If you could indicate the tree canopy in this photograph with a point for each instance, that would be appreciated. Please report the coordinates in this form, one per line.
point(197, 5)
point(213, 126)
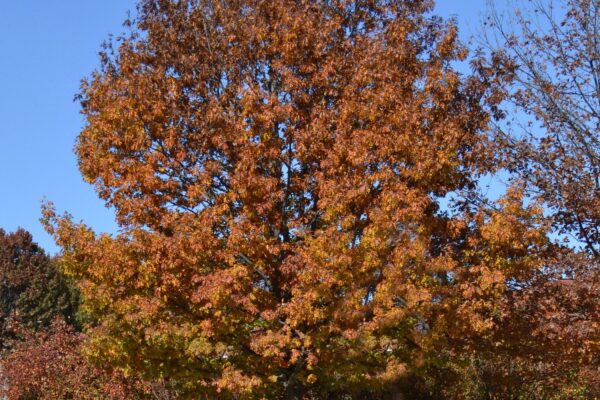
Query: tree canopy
point(296, 184)
point(32, 290)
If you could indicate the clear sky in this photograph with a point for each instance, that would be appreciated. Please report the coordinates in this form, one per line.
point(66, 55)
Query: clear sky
point(46, 47)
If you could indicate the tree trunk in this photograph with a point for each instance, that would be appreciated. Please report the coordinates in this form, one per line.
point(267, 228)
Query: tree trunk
point(294, 389)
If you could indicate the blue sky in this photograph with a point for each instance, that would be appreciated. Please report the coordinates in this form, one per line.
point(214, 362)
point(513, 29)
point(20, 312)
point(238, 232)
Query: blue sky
point(46, 47)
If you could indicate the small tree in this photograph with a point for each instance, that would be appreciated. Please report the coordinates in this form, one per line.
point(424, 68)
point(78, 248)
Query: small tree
point(32, 290)
point(48, 365)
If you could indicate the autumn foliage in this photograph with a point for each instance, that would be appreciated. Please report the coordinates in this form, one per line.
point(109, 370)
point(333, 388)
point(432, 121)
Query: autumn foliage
point(296, 184)
point(547, 53)
point(41, 354)
point(49, 365)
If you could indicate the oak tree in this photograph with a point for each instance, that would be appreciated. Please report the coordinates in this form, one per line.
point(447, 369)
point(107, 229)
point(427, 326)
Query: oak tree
point(277, 169)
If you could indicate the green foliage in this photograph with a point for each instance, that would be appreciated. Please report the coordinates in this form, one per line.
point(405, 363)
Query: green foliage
point(33, 292)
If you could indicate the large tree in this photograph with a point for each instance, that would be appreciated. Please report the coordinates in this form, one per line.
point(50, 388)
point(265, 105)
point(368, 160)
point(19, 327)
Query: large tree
point(277, 169)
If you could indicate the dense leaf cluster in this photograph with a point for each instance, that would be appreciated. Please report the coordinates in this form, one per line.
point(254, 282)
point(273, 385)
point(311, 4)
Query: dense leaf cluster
point(297, 187)
point(33, 291)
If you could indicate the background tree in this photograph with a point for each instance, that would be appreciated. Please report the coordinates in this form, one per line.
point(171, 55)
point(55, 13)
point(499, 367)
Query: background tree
point(32, 290)
point(48, 365)
point(547, 54)
point(550, 53)
point(277, 170)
